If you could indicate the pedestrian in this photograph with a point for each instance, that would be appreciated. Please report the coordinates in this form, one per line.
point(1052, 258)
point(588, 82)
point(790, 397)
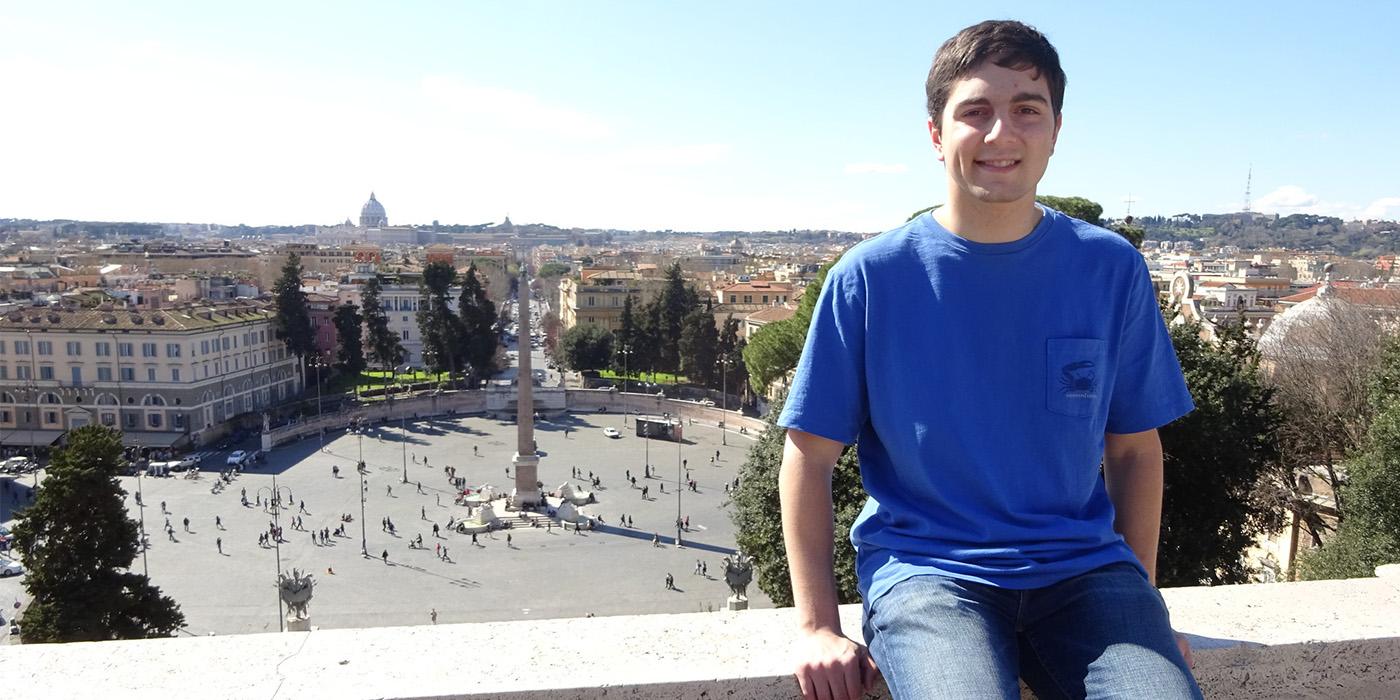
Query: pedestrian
point(420, 487)
point(313, 540)
point(435, 529)
point(335, 472)
point(687, 523)
point(705, 569)
point(697, 568)
point(302, 506)
point(171, 534)
point(187, 524)
point(437, 550)
point(432, 615)
point(716, 455)
point(219, 542)
point(388, 490)
point(656, 539)
point(162, 507)
point(385, 556)
point(508, 539)
point(474, 538)
point(423, 512)
point(439, 499)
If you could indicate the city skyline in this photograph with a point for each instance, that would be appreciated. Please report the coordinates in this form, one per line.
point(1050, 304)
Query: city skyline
point(633, 116)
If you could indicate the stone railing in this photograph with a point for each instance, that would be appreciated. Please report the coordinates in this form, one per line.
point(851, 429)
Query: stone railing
point(490, 400)
point(1327, 639)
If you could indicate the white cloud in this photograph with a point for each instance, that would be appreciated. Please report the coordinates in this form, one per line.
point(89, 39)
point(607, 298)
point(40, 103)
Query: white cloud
point(1288, 197)
point(1383, 208)
point(876, 168)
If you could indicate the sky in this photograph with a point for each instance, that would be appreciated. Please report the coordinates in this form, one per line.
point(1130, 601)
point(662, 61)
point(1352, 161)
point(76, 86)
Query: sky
point(665, 115)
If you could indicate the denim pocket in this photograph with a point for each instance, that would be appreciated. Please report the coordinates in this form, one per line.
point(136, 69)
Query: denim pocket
point(1074, 374)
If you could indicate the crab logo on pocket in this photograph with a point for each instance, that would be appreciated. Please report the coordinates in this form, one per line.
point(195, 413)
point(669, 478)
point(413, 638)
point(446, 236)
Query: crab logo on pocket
point(1077, 380)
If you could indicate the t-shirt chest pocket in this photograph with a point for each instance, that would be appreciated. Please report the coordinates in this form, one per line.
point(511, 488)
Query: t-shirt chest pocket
point(1074, 376)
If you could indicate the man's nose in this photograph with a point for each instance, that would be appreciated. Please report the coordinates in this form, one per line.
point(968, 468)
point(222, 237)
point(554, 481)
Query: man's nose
point(1001, 129)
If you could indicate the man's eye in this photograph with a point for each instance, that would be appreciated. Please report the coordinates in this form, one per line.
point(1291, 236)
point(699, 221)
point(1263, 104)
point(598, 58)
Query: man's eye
point(973, 113)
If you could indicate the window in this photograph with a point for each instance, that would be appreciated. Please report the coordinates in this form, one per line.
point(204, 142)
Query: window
point(262, 336)
point(590, 300)
point(174, 374)
point(748, 298)
point(124, 349)
point(178, 421)
point(731, 298)
point(45, 347)
point(172, 349)
point(46, 371)
point(104, 374)
point(4, 371)
point(153, 420)
point(6, 417)
point(104, 349)
point(150, 374)
point(22, 372)
point(75, 348)
point(204, 347)
point(225, 343)
point(77, 375)
point(2, 347)
point(405, 335)
point(148, 349)
point(21, 347)
point(109, 420)
point(131, 421)
point(128, 374)
point(50, 417)
point(765, 298)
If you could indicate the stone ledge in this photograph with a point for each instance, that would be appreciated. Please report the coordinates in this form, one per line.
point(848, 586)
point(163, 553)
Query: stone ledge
point(1290, 640)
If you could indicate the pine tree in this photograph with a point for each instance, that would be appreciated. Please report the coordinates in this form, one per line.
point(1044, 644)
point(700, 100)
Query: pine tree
point(625, 338)
point(292, 323)
point(349, 330)
point(477, 333)
point(384, 346)
point(79, 544)
point(699, 347)
point(676, 300)
point(438, 324)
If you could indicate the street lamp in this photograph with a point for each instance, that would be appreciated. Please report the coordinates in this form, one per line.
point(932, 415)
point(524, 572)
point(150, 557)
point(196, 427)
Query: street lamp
point(361, 469)
point(679, 488)
point(723, 362)
point(141, 504)
point(322, 429)
point(275, 499)
point(403, 436)
point(626, 353)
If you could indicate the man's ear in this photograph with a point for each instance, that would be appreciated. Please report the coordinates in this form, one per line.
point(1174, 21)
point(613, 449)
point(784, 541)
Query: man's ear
point(937, 137)
point(1059, 122)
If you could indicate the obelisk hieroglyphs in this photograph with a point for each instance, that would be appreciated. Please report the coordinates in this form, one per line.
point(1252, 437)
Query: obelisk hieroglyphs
point(526, 462)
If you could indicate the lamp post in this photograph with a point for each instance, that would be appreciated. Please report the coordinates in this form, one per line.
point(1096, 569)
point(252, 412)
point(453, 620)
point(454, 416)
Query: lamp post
point(33, 399)
point(275, 499)
point(626, 353)
point(403, 437)
point(361, 469)
point(322, 429)
point(141, 505)
point(679, 488)
point(723, 363)
point(646, 439)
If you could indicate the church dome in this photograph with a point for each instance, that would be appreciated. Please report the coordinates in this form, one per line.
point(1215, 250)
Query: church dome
point(1304, 327)
point(372, 214)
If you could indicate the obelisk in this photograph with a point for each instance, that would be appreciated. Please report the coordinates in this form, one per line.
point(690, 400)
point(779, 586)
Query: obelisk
point(526, 462)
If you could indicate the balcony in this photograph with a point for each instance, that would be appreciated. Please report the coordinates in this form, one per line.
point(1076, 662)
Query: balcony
point(1326, 639)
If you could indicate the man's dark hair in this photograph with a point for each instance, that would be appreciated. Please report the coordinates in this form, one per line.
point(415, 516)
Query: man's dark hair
point(1005, 43)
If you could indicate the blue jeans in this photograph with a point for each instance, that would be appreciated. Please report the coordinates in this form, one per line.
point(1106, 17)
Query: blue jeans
point(1102, 634)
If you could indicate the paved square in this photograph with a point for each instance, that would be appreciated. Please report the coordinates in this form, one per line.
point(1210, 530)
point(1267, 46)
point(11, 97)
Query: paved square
point(545, 574)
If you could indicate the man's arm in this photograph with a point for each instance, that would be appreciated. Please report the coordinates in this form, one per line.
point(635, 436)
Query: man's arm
point(1132, 471)
point(829, 664)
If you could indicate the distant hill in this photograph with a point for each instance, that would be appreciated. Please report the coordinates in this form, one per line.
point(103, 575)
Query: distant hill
point(1303, 232)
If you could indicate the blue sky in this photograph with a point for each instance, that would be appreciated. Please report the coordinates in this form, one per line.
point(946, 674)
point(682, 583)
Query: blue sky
point(688, 116)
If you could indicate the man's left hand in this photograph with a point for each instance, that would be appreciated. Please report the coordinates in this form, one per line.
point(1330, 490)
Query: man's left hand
point(1185, 646)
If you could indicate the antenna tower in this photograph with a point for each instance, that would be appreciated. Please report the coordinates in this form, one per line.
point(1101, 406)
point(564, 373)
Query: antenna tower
point(1129, 199)
point(1248, 180)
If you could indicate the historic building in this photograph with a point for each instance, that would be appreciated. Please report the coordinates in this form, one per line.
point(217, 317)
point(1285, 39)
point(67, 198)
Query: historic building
point(164, 376)
point(372, 214)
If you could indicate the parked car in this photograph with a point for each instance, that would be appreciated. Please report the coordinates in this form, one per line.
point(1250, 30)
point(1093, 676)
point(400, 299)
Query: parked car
point(192, 461)
point(612, 432)
point(10, 567)
point(237, 458)
point(15, 465)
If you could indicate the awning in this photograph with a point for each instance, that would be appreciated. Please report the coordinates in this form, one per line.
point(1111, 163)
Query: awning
point(135, 438)
point(26, 437)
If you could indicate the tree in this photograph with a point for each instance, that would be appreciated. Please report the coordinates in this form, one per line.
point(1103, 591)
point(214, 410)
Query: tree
point(292, 322)
point(438, 324)
point(384, 346)
point(1131, 231)
point(1323, 367)
point(477, 337)
point(79, 545)
point(699, 347)
point(774, 349)
point(676, 300)
point(757, 515)
point(553, 269)
point(734, 372)
point(1215, 458)
point(1077, 207)
point(625, 338)
point(1369, 535)
point(584, 347)
point(349, 331)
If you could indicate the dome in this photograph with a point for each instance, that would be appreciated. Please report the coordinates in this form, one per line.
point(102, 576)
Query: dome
point(1304, 327)
point(372, 214)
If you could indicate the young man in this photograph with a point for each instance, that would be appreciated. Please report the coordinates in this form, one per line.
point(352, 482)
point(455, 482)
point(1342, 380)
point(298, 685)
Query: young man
point(986, 358)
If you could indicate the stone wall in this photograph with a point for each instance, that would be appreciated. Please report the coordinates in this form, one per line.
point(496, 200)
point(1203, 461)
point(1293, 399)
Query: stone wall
point(1328, 639)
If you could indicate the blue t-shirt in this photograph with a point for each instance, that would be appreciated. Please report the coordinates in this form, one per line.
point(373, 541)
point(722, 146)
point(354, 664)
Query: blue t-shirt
point(978, 381)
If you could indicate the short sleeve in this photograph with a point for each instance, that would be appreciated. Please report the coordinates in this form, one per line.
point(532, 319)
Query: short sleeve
point(1149, 390)
point(828, 395)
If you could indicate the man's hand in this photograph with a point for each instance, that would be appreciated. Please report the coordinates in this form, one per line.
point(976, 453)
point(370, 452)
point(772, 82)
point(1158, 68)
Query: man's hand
point(833, 667)
point(1184, 645)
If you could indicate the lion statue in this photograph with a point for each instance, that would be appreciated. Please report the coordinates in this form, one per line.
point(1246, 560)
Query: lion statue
point(738, 573)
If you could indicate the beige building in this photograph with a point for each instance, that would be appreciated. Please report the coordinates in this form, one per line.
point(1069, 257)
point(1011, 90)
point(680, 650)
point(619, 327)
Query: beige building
point(597, 298)
point(162, 375)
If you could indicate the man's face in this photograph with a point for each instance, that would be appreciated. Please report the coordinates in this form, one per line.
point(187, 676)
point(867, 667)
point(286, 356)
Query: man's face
point(996, 135)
